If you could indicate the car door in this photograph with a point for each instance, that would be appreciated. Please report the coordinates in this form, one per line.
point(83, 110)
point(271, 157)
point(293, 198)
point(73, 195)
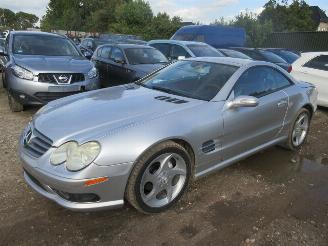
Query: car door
point(315, 71)
point(117, 67)
point(246, 128)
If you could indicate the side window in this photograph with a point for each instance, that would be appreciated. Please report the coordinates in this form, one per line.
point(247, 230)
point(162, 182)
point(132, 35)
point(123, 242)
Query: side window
point(260, 81)
point(117, 55)
point(319, 62)
point(177, 51)
point(105, 51)
point(85, 42)
point(164, 48)
point(99, 52)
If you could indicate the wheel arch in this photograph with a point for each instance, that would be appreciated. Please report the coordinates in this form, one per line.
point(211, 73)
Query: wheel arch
point(310, 108)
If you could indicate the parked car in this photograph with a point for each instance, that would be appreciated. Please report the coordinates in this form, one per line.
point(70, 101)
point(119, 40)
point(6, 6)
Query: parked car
point(40, 67)
point(89, 45)
point(313, 67)
point(264, 55)
point(124, 63)
point(214, 35)
point(174, 49)
point(2, 42)
point(287, 55)
point(144, 142)
point(234, 54)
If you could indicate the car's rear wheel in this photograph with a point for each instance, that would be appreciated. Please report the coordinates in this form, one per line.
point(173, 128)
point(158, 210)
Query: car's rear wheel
point(14, 105)
point(299, 132)
point(159, 178)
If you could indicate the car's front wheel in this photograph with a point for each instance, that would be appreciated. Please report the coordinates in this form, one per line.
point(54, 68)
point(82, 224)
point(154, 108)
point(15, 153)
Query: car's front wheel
point(159, 178)
point(14, 105)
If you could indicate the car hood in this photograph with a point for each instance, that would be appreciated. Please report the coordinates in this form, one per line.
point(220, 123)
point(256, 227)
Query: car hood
point(144, 69)
point(93, 115)
point(60, 64)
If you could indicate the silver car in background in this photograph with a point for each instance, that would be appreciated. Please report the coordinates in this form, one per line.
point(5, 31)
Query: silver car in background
point(144, 142)
point(40, 67)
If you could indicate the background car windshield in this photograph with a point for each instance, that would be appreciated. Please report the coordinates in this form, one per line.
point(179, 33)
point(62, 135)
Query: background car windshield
point(236, 54)
point(272, 57)
point(43, 45)
point(194, 79)
point(144, 56)
point(203, 50)
point(288, 56)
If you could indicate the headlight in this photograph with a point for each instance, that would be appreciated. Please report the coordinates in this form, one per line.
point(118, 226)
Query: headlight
point(76, 156)
point(92, 73)
point(22, 73)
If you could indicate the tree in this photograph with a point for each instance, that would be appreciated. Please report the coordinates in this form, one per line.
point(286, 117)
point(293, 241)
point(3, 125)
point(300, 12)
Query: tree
point(25, 20)
point(285, 17)
point(7, 19)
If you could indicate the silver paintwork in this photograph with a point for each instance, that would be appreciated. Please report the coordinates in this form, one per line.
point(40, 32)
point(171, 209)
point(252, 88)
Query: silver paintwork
point(127, 121)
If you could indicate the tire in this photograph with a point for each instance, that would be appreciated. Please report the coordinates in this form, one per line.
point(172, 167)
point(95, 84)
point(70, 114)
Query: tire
point(167, 187)
point(290, 143)
point(14, 105)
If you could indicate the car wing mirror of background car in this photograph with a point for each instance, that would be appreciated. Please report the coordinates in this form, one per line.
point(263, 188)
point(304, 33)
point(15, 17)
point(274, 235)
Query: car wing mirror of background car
point(243, 101)
point(120, 61)
point(181, 58)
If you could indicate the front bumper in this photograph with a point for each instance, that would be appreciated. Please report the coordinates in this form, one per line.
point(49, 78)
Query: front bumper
point(39, 93)
point(51, 185)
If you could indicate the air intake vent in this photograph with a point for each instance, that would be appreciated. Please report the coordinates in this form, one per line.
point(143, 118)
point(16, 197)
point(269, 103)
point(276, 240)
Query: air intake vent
point(170, 99)
point(208, 146)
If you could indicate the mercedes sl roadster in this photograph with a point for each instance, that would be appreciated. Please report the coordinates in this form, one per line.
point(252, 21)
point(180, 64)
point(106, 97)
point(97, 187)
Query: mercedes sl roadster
point(144, 142)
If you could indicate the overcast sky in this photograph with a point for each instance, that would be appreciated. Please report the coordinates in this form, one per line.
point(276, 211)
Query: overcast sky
point(204, 11)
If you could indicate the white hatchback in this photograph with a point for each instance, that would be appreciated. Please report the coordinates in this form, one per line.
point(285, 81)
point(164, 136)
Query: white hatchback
point(313, 67)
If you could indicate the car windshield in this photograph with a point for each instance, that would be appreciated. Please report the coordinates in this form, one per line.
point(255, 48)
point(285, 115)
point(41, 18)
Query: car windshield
point(272, 57)
point(236, 54)
point(194, 79)
point(144, 56)
point(46, 45)
point(288, 55)
point(200, 50)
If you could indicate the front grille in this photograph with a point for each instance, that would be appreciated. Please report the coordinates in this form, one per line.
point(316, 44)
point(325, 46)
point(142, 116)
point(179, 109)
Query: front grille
point(57, 78)
point(50, 96)
point(35, 143)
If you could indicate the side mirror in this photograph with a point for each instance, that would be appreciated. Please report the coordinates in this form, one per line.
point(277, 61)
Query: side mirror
point(3, 52)
point(243, 101)
point(181, 58)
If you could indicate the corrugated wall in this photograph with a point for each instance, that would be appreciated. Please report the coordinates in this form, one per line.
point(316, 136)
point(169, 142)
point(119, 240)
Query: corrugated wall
point(300, 41)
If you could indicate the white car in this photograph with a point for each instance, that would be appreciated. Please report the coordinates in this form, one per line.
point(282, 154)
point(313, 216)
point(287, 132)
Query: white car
point(313, 67)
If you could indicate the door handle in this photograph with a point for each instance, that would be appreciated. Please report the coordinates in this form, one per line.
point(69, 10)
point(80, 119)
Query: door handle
point(281, 103)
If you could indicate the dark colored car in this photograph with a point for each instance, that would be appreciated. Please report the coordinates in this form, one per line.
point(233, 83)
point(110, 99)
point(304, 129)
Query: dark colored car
point(124, 63)
point(234, 54)
point(175, 49)
point(89, 45)
point(288, 55)
point(265, 55)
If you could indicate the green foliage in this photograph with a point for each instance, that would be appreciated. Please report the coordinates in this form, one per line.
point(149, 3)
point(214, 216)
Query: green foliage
point(18, 21)
point(277, 16)
point(285, 17)
point(119, 16)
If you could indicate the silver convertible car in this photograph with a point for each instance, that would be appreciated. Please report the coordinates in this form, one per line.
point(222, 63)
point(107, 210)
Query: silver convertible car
point(145, 142)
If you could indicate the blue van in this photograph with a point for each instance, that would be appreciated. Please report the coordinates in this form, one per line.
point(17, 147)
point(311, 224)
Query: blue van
point(214, 35)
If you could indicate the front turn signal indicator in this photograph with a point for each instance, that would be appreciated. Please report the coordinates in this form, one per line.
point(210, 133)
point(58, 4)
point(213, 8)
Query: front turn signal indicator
point(95, 181)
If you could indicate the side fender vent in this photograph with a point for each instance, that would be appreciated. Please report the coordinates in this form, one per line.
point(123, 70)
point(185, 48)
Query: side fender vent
point(170, 99)
point(208, 146)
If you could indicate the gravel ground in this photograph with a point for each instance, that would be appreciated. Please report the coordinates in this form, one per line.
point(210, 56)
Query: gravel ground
point(276, 197)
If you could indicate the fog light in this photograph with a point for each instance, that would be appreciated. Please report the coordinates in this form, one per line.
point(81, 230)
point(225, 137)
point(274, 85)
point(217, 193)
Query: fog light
point(95, 181)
